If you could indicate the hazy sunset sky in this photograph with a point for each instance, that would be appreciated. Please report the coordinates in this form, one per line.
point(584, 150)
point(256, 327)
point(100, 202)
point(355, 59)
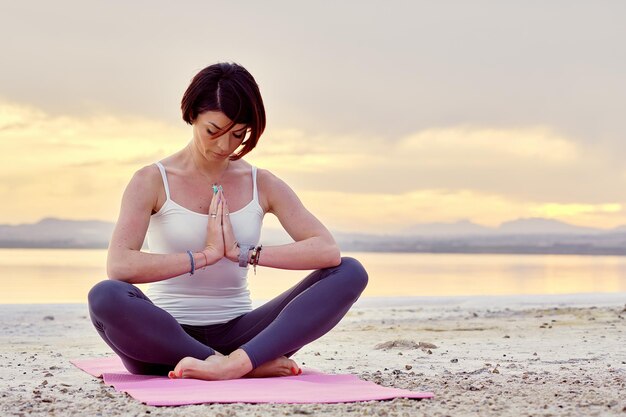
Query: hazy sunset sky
point(381, 115)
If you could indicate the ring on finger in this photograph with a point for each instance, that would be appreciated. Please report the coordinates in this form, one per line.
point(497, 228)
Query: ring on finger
point(214, 215)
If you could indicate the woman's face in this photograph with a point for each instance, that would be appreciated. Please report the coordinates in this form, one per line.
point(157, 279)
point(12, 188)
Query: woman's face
point(211, 139)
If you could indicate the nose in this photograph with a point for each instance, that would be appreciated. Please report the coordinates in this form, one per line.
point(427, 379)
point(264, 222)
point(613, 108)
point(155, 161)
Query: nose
point(223, 142)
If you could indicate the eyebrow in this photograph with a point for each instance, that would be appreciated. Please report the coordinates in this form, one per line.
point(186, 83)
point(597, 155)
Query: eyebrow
point(219, 128)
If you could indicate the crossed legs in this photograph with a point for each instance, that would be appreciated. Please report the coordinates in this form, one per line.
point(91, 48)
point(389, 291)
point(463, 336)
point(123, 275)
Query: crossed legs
point(150, 341)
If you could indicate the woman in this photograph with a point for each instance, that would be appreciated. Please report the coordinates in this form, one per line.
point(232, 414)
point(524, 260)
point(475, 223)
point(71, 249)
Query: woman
point(201, 210)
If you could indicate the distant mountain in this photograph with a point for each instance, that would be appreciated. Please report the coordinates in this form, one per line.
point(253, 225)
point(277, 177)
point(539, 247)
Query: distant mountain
point(529, 226)
point(525, 236)
point(619, 229)
point(539, 226)
point(459, 228)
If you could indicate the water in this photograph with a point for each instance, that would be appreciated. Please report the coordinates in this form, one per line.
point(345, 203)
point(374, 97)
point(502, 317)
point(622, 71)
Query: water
point(66, 275)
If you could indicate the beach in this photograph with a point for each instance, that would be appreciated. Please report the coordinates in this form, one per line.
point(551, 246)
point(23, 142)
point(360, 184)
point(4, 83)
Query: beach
point(481, 356)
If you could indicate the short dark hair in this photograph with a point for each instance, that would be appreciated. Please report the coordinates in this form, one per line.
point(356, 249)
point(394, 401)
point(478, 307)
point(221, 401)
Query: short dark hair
point(229, 88)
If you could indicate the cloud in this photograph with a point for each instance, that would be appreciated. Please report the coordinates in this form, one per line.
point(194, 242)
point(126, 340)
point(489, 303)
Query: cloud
point(598, 215)
point(74, 167)
point(393, 213)
point(384, 213)
point(77, 167)
point(532, 163)
point(553, 210)
point(486, 174)
point(485, 146)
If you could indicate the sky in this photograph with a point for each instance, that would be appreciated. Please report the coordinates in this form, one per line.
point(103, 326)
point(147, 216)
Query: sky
point(381, 115)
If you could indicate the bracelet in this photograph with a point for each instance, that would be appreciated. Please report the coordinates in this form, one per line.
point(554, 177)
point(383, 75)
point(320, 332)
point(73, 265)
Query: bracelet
point(206, 260)
point(193, 262)
point(254, 258)
point(243, 254)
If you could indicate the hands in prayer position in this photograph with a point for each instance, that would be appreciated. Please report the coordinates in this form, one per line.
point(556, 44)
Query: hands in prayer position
point(220, 240)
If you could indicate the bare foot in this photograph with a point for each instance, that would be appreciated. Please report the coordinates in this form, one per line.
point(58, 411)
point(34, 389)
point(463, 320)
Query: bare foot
point(282, 366)
point(215, 367)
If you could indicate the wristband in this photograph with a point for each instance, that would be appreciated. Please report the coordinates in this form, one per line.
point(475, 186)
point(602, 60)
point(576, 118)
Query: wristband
point(193, 262)
point(243, 255)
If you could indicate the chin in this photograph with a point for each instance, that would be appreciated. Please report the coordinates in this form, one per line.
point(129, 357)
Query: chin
point(219, 155)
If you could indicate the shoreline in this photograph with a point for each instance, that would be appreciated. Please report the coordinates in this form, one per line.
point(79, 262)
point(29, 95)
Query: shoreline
point(512, 301)
point(617, 252)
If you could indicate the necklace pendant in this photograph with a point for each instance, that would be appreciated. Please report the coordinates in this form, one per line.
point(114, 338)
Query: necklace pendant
point(215, 188)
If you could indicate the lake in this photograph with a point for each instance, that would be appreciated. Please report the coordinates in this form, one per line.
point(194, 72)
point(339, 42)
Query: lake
point(66, 275)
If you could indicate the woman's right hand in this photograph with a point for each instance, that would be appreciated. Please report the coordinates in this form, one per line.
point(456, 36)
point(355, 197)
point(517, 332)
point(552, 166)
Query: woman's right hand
point(214, 250)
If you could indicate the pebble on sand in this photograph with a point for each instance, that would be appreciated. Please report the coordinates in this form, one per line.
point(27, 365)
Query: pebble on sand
point(398, 343)
point(405, 344)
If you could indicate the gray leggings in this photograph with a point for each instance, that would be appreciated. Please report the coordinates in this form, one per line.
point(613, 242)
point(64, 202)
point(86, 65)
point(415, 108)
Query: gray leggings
point(150, 341)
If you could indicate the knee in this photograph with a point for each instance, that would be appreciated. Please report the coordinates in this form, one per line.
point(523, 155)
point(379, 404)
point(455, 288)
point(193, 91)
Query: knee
point(355, 273)
point(105, 295)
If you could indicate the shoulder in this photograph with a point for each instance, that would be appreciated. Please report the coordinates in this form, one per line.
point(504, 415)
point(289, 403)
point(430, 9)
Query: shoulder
point(265, 176)
point(143, 188)
point(147, 176)
point(268, 181)
point(272, 190)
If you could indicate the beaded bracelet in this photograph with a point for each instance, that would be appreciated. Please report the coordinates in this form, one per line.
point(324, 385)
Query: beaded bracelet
point(193, 262)
point(255, 256)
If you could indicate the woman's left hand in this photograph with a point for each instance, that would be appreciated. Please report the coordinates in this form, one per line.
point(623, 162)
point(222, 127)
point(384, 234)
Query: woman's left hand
point(231, 248)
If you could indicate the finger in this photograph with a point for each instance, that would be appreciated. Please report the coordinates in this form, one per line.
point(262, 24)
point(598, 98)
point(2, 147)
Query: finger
point(214, 201)
point(220, 210)
point(231, 248)
point(215, 213)
point(229, 236)
point(226, 211)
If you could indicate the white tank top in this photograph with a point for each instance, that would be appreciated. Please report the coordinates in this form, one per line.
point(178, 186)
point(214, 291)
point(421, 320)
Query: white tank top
point(217, 293)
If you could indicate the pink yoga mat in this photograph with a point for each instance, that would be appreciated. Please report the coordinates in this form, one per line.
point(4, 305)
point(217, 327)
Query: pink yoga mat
point(309, 387)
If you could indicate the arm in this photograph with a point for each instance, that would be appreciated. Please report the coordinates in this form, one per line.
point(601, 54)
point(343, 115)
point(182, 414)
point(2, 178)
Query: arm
point(314, 246)
point(125, 260)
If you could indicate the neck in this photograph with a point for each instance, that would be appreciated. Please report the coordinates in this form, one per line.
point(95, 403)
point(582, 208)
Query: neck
point(212, 170)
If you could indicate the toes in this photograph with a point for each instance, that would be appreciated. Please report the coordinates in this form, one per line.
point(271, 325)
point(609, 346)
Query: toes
point(178, 369)
point(296, 370)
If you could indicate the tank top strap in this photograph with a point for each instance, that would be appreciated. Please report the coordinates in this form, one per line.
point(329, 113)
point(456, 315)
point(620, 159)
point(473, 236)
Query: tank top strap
point(255, 191)
point(164, 177)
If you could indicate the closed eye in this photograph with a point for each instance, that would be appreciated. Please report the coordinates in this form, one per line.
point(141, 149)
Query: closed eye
point(238, 135)
point(242, 133)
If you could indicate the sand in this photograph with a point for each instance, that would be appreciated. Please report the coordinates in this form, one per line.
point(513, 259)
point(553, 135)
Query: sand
point(481, 357)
